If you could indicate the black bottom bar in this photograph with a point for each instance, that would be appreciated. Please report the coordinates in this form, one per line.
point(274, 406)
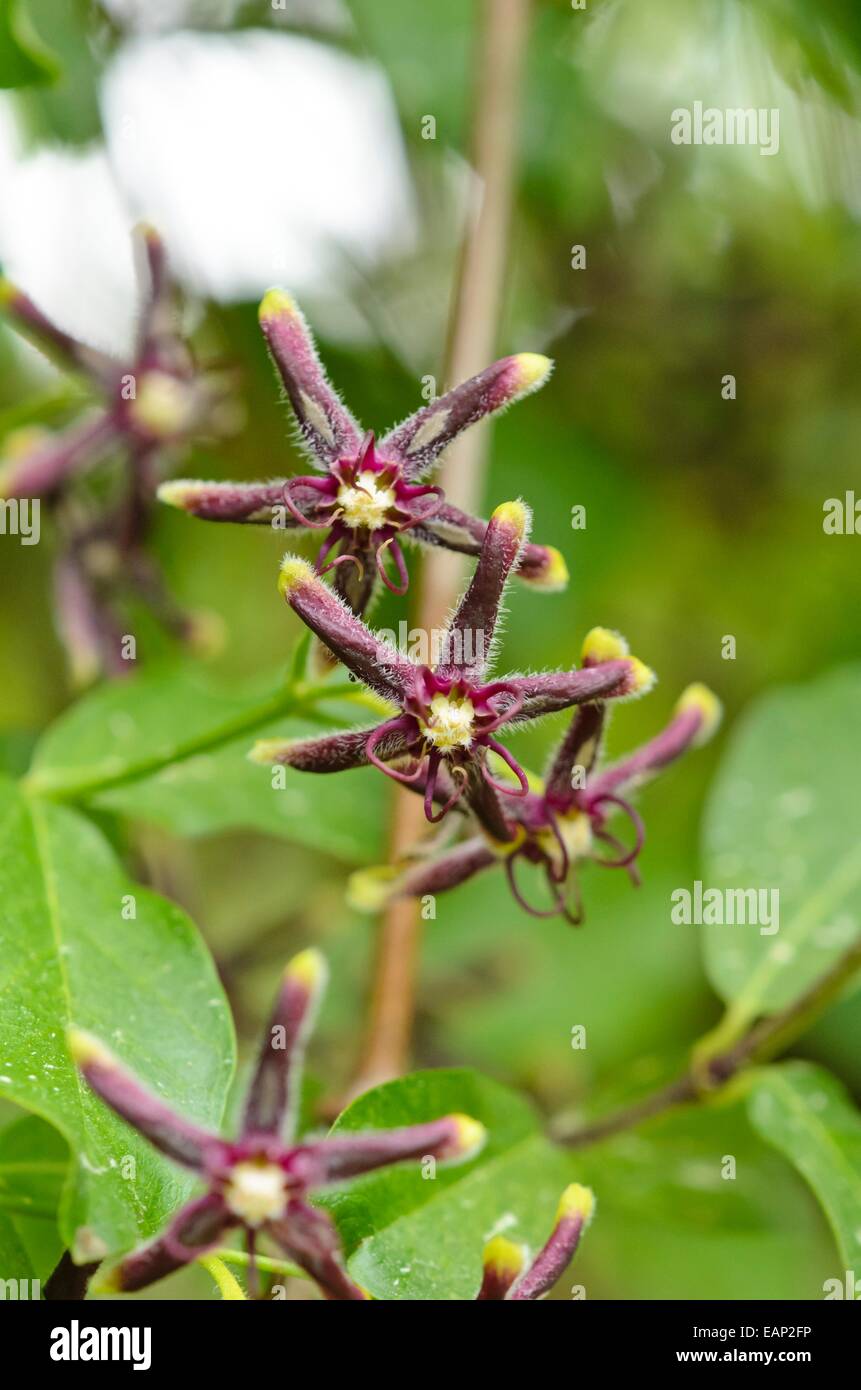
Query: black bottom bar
point(69, 1339)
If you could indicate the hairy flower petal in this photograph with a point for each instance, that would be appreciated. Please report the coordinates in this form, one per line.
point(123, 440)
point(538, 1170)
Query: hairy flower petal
point(327, 427)
point(275, 1083)
point(541, 566)
point(248, 502)
point(374, 661)
point(474, 622)
point(556, 690)
point(329, 752)
point(418, 442)
point(454, 1138)
point(696, 718)
point(574, 1214)
point(178, 1138)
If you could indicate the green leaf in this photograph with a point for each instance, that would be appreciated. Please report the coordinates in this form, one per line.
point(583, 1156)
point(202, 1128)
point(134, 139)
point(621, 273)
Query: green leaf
point(23, 60)
point(783, 814)
point(676, 1222)
point(809, 1116)
point(412, 1237)
point(16, 749)
point(673, 1170)
point(144, 984)
point(34, 1161)
point(171, 747)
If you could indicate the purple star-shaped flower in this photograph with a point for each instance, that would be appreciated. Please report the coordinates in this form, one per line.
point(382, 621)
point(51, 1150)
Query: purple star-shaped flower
point(369, 495)
point(154, 403)
point(447, 715)
point(562, 819)
point(156, 400)
point(260, 1182)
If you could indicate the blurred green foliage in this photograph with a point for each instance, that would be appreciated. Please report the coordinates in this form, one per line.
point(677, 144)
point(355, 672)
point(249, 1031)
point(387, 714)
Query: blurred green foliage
point(704, 519)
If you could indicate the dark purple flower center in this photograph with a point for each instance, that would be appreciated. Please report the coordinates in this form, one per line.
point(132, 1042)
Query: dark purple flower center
point(365, 503)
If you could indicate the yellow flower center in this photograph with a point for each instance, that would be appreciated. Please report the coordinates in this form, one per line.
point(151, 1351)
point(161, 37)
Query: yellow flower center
point(162, 405)
point(450, 723)
point(576, 831)
point(366, 505)
point(256, 1192)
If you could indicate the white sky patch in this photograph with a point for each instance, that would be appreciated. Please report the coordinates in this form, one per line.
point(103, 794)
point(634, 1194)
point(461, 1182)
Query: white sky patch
point(64, 237)
point(263, 159)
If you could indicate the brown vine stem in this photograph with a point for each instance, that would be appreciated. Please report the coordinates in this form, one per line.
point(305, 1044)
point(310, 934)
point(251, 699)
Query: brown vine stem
point(501, 40)
point(710, 1073)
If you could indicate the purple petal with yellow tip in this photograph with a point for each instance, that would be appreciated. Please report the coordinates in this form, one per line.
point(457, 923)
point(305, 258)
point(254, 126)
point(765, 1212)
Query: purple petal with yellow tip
point(38, 470)
point(474, 623)
point(55, 341)
point(175, 1136)
point(247, 502)
point(503, 1262)
point(452, 1139)
point(327, 427)
point(542, 566)
point(374, 661)
point(697, 716)
point(274, 1085)
point(556, 690)
point(573, 1215)
point(418, 442)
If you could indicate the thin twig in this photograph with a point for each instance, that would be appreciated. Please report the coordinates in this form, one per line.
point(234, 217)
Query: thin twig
point(709, 1074)
point(501, 45)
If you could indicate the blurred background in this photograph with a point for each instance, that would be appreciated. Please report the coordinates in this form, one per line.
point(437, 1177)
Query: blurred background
point(289, 146)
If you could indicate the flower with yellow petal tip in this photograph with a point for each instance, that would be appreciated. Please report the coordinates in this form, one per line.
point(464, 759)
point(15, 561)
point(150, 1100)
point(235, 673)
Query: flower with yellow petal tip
point(368, 496)
point(565, 817)
point(447, 716)
point(149, 406)
point(260, 1182)
point(509, 1274)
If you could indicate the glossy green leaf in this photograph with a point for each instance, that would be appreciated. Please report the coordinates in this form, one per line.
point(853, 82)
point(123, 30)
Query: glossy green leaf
point(698, 1169)
point(695, 1205)
point(783, 815)
point(34, 1161)
point(415, 1237)
point(172, 748)
point(809, 1116)
point(71, 952)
